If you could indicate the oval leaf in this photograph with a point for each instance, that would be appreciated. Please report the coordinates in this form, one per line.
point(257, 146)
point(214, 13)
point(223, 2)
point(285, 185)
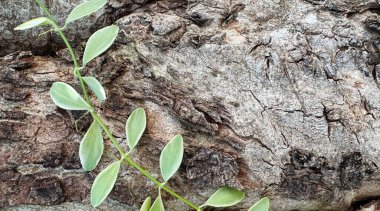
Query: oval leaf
point(104, 183)
point(135, 127)
point(157, 204)
point(99, 42)
point(66, 97)
point(171, 157)
point(33, 23)
point(96, 87)
point(225, 197)
point(85, 9)
point(262, 205)
point(91, 147)
point(146, 205)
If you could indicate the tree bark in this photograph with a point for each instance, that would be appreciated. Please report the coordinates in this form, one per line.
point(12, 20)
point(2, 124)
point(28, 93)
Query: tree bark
point(277, 98)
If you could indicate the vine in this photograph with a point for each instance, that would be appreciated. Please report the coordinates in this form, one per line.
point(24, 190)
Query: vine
point(92, 145)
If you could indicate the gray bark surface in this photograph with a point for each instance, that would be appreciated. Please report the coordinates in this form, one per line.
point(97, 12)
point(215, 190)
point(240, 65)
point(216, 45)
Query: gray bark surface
point(277, 98)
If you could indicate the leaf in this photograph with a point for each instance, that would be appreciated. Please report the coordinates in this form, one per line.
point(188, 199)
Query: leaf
point(96, 87)
point(225, 197)
point(66, 97)
point(135, 127)
point(146, 205)
point(85, 9)
point(91, 147)
point(104, 183)
point(171, 157)
point(99, 42)
point(157, 204)
point(262, 205)
point(33, 23)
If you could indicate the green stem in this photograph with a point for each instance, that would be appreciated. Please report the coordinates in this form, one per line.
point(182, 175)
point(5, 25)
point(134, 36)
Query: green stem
point(99, 120)
point(159, 184)
point(109, 134)
point(72, 53)
point(139, 168)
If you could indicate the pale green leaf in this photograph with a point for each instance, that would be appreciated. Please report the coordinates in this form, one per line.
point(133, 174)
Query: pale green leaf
point(135, 127)
point(262, 205)
point(225, 197)
point(96, 87)
point(91, 147)
point(66, 97)
point(104, 183)
point(33, 23)
point(85, 9)
point(171, 157)
point(99, 42)
point(157, 204)
point(146, 205)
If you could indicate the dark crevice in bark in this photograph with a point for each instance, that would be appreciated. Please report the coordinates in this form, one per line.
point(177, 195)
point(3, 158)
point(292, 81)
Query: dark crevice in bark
point(366, 202)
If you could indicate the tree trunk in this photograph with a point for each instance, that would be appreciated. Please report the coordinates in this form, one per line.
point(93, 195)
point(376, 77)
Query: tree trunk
point(277, 98)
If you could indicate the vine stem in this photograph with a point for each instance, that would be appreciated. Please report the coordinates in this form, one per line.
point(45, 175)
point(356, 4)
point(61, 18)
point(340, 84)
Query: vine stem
point(72, 52)
point(100, 121)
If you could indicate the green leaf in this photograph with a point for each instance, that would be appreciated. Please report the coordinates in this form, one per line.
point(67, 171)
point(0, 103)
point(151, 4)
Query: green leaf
point(262, 205)
point(66, 97)
point(91, 147)
point(99, 42)
point(85, 9)
point(146, 204)
point(225, 197)
point(104, 183)
point(135, 127)
point(171, 157)
point(96, 87)
point(33, 23)
point(157, 204)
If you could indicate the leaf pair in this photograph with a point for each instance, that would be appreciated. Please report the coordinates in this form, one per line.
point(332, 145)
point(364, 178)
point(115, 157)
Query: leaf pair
point(98, 43)
point(157, 205)
point(90, 155)
point(171, 155)
point(102, 39)
point(170, 158)
point(91, 147)
point(65, 96)
point(78, 12)
point(223, 197)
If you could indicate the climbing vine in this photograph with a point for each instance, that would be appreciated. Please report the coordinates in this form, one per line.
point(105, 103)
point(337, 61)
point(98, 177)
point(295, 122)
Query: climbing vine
point(92, 145)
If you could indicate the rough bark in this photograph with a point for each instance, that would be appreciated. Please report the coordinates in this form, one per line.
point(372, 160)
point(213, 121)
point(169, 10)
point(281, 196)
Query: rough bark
point(278, 98)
